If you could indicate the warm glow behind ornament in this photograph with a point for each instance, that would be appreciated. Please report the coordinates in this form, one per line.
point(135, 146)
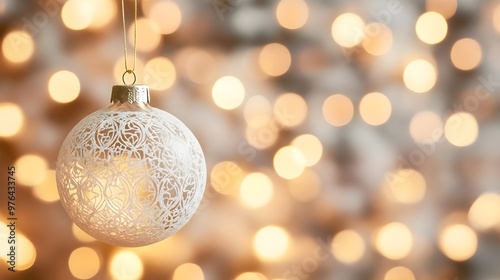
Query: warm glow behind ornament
point(130, 174)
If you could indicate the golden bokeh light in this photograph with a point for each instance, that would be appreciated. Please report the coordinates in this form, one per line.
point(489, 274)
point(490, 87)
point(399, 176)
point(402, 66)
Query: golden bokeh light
point(426, 126)
point(446, 8)
point(258, 111)
point(290, 109)
point(458, 242)
point(188, 271)
point(407, 186)
point(167, 16)
point(292, 14)
point(126, 265)
point(275, 59)
point(466, 54)
point(348, 246)
point(348, 30)
point(159, 73)
point(103, 12)
point(150, 35)
point(64, 86)
point(228, 92)
point(15, 115)
point(431, 28)
point(226, 177)
point(420, 76)
point(26, 252)
point(271, 243)
point(399, 273)
point(18, 46)
point(375, 108)
point(261, 138)
point(119, 69)
point(77, 14)
point(484, 213)
point(310, 146)
point(378, 39)
point(338, 110)
point(84, 263)
point(31, 170)
point(256, 190)
point(251, 276)
point(47, 190)
point(289, 163)
point(306, 187)
point(461, 129)
point(394, 241)
point(81, 235)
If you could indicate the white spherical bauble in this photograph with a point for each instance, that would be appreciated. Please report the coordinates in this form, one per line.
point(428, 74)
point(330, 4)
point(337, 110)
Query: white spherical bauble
point(131, 174)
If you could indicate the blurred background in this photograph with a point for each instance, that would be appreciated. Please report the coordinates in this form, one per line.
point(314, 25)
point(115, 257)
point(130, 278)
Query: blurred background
point(344, 139)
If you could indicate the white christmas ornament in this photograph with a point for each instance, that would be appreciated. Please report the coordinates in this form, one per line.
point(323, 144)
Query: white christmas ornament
point(130, 174)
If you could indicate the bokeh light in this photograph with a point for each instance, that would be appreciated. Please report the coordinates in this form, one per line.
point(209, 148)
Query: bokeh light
point(306, 187)
point(458, 242)
point(310, 146)
point(166, 15)
point(251, 276)
point(431, 28)
point(420, 76)
point(426, 126)
point(18, 46)
point(226, 177)
point(81, 235)
point(188, 271)
point(407, 186)
point(378, 39)
point(394, 241)
point(159, 73)
point(338, 110)
point(289, 163)
point(256, 190)
point(271, 243)
point(77, 14)
point(228, 92)
point(399, 273)
point(466, 54)
point(496, 18)
point(64, 86)
point(275, 59)
point(484, 213)
point(47, 189)
point(200, 66)
point(31, 170)
point(126, 265)
point(84, 263)
point(348, 246)
point(375, 108)
point(461, 129)
point(446, 8)
point(292, 14)
point(13, 113)
point(258, 111)
point(348, 30)
point(262, 137)
point(103, 13)
point(150, 35)
point(290, 109)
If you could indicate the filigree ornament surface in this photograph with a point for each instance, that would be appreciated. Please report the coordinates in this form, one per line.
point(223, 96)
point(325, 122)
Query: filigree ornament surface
point(131, 177)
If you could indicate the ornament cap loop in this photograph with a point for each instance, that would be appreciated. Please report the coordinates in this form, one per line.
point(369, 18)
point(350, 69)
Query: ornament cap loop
point(130, 93)
point(129, 71)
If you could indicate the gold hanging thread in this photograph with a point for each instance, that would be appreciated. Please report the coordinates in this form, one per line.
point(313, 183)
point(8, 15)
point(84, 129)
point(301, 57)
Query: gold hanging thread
point(127, 69)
